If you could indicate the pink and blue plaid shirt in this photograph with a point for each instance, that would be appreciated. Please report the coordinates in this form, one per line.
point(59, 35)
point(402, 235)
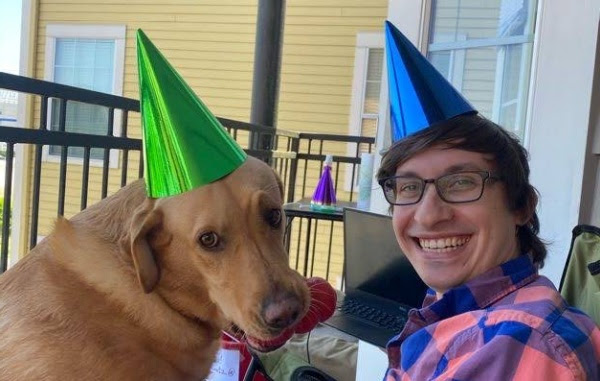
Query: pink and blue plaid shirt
point(507, 324)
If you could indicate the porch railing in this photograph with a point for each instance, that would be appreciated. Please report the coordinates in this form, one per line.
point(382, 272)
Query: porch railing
point(297, 157)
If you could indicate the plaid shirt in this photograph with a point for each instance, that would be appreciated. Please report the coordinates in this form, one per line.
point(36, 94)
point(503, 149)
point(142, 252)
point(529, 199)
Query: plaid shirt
point(507, 324)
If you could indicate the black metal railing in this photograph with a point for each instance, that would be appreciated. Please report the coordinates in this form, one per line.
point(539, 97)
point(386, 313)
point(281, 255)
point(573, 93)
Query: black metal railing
point(297, 157)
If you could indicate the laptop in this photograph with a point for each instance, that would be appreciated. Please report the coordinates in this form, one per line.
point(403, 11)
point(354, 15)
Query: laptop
point(381, 285)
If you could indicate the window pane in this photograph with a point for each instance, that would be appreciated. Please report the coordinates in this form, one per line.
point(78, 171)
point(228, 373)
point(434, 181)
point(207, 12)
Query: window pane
point(65, 52)
point(81, 118)
point(104, 54)
point(85, 53)
point(441, 60)
point(63, 75)
point(512, 68)
point(89, 64)
point(456, 20)
point(479, 74)
point(373, 81)
point(371, 105)
point(85, 63)
point(508, 114)
point(368, 127)
point(375, 65)
point(83, 77)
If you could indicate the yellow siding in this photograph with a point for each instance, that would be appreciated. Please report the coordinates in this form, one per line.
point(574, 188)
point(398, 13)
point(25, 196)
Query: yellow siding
point(211, 43)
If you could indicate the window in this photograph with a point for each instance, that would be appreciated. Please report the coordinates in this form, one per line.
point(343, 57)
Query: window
point(484, 49)
point(368, 66)
point(366, 87)
point(89, 57)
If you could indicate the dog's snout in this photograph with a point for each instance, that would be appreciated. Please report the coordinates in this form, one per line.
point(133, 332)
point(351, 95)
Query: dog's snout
point(282, 312)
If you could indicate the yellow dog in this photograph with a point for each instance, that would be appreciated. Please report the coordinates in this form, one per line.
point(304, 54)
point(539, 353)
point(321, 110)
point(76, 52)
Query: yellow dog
point(134, 288)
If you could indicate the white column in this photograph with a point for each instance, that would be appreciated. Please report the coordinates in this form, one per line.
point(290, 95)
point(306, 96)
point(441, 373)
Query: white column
point(559, 118)
point(406, 15)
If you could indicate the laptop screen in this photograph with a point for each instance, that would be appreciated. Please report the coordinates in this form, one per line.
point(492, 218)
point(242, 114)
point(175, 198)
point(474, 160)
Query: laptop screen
point(374, 262)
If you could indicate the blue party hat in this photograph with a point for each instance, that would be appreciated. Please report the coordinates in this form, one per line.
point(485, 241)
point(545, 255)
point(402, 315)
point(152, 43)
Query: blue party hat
point(419, 95)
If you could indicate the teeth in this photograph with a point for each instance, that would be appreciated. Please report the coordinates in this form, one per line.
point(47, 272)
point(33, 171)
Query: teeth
point(443, 243)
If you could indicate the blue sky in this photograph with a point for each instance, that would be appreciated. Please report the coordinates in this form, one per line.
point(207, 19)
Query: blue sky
point(10, 35)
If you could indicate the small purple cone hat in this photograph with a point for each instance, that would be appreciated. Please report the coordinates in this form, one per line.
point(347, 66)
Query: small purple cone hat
point(324, 195)
point(419, 95)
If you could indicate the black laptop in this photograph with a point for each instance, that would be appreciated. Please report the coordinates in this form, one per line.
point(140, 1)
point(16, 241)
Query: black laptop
point(380, 283)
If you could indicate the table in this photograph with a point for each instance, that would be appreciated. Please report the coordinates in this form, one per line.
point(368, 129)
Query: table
point(302, 209)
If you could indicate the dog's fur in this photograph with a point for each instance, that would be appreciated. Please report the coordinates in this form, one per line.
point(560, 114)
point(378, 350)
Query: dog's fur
point(125, 290)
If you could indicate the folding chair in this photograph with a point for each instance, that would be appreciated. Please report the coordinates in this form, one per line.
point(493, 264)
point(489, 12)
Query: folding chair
point(580, 283)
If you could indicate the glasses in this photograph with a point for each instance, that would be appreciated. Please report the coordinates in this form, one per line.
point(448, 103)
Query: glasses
point(454, 188)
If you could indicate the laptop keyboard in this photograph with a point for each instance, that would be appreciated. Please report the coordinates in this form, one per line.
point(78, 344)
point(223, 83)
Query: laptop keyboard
point(372, 315)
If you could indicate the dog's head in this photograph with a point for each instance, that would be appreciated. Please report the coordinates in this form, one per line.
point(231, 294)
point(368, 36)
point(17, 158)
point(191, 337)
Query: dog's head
point(215, 254)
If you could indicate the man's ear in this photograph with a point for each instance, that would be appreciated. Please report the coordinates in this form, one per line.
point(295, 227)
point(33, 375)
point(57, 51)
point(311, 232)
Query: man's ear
point(145, 220)
point(525, 215)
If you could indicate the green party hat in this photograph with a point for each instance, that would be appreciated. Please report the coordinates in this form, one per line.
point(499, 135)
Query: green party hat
point(185, 146)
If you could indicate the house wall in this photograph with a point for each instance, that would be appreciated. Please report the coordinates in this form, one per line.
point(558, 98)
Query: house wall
point(211, 43)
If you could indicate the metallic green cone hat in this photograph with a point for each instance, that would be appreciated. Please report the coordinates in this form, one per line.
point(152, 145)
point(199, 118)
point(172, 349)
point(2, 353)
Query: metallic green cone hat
point(185, 146)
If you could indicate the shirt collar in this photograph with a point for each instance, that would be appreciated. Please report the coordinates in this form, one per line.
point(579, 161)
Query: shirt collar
point(481, 291)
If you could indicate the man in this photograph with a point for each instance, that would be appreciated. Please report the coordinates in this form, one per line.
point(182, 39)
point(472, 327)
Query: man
point(464, 214)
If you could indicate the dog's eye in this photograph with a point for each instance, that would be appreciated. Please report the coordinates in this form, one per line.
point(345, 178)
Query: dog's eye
point(273, 217)
point(209, 240)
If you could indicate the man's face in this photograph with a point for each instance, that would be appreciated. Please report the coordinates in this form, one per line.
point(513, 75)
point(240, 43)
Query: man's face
point(449, 244)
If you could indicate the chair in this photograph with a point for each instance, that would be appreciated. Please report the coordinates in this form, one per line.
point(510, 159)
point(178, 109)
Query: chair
point(580, 283)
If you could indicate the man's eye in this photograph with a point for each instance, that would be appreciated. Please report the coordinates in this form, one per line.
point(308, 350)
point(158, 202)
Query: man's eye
point(408, 188)
point(461, 183)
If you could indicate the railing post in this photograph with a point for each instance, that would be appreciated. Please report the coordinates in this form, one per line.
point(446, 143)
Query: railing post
point(293, 170)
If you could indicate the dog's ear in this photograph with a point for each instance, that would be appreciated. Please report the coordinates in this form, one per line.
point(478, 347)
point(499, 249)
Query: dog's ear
point(144, 221)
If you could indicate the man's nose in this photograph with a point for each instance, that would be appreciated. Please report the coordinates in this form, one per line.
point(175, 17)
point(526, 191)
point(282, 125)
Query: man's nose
point(432, 209)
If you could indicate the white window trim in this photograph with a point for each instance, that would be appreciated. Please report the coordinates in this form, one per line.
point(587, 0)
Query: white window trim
point(364, 42)
point(112, 32)
point(523, 108)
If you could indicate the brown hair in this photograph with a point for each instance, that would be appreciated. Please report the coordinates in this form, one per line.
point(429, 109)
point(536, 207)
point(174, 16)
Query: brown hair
point(477, 134)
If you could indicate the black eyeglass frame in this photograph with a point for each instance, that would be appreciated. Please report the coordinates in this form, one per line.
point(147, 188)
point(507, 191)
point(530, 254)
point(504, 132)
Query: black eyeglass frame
point(485, 176)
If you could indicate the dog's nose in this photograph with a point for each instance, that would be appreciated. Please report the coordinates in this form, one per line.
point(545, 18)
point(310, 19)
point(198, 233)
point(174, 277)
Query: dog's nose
point(281, 312)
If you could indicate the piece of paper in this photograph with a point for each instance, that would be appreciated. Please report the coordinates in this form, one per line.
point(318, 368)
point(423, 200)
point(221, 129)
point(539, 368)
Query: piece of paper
point(226, 366)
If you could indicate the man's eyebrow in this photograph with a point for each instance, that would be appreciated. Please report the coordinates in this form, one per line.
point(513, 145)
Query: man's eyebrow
point(463, 167)
point(406, 174)
point(452, 169)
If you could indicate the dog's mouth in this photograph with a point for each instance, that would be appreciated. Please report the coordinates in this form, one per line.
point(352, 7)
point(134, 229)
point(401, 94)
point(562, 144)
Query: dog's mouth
point(279, 321)
point(273, 327)
point(261, 344)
